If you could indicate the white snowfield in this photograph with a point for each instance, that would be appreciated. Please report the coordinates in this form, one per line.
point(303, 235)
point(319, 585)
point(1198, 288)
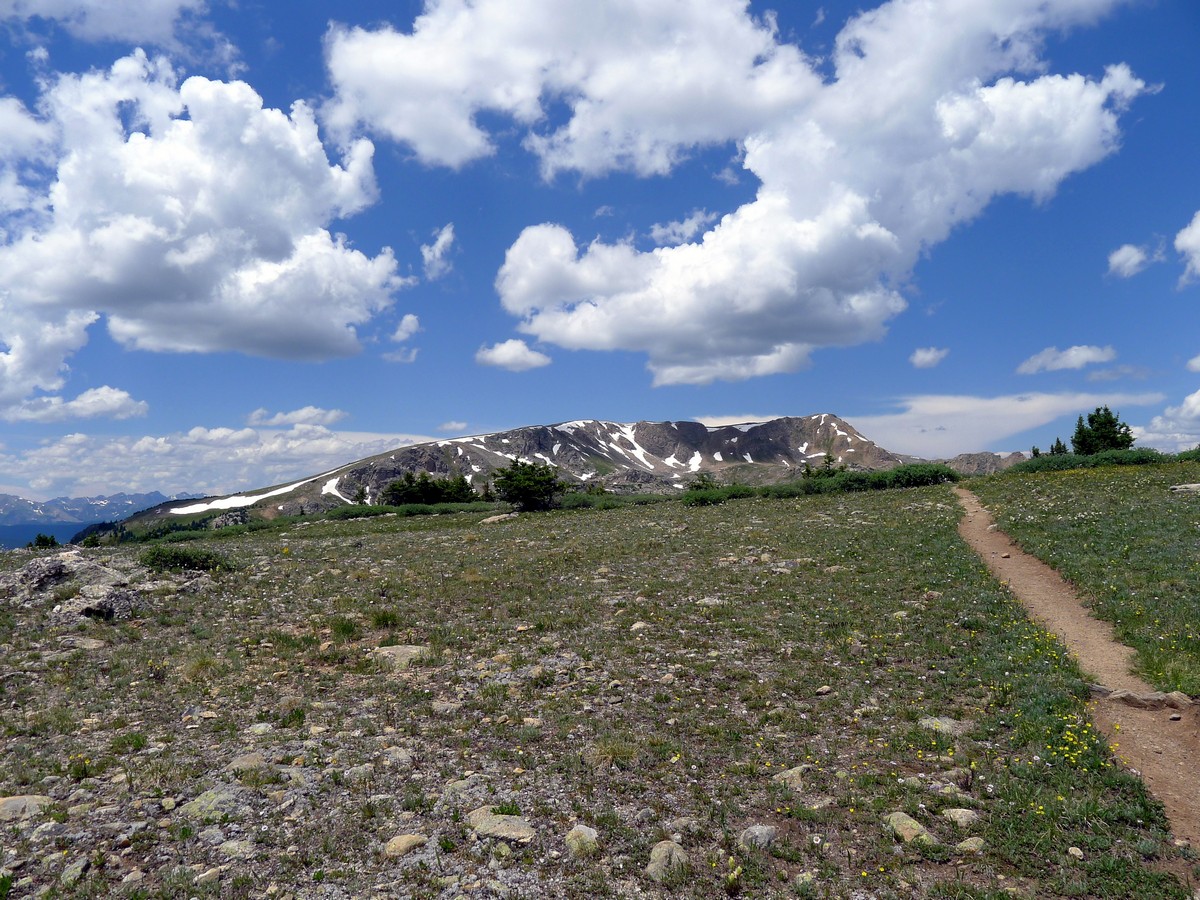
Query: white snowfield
point(236, 501)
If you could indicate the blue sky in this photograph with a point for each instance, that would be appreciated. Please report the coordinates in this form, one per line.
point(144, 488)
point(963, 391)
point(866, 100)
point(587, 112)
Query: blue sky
point(244, 242)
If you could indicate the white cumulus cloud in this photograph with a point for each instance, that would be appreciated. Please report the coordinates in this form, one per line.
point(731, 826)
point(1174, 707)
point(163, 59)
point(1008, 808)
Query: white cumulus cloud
point(436, 255)
point(1187, 243)
point(1127, 260)
point(1052, 359)
point(201, 460)
point(514, 355)
point(105, 402)
point(683, 230)
point(933, 109)
point(151, 21)
point(191, 218)
point(928, 357)
point(308, 415)
point(645, 81)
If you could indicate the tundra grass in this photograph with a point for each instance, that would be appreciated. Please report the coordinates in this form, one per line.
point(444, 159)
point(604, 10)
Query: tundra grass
point(654, 672)
point(1128, 543)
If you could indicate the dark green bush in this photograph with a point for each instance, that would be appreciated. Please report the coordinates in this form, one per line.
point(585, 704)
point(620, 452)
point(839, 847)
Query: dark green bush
point(528, 486)
point(173, 558)
point(1062, 462)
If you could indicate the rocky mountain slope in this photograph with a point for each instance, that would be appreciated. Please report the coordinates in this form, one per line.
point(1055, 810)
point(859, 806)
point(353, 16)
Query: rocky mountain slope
point(647, 457)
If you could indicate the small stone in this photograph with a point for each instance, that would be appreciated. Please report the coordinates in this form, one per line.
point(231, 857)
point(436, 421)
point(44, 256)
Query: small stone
point(758, 837)
point(582, 841)
point(907, 829)
point(25, 806)
point(963, 818)
point(824, 690)
point(941, 725)
point(401, 656)
point(403, 844)
point(446, 707)
point(215, 804)
point(666, 857)
point(639, 626)
point(209, 876)
point(237, 849)
point(258, 729)
point(970, 845)
point(72, 873)
point(793, 777)
point(247, 762)
point(486, 823)
point(1075, 852)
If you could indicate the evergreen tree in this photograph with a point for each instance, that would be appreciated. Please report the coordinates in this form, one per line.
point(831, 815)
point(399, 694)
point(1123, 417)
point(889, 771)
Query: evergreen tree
point(1103, 431)
point(528, 486)
point(1058, 448)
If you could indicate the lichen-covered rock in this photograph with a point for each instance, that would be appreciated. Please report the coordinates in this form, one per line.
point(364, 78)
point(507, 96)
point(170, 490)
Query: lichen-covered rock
point(666, 857)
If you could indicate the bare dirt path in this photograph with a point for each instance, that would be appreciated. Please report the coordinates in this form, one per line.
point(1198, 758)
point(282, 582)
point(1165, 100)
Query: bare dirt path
point(1161, 743)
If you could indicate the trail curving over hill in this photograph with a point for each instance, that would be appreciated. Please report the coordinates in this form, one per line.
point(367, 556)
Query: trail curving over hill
point(1157, 735)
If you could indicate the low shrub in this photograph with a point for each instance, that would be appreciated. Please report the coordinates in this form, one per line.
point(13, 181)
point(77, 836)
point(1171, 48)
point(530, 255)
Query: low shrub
point(173, 558)
point(1061, 462)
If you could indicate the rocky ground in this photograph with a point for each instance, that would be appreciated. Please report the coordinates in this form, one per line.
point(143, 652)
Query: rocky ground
point(776, 698)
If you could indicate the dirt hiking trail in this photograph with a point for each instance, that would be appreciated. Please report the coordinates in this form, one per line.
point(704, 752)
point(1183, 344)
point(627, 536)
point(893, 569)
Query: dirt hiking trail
point(1157, 735)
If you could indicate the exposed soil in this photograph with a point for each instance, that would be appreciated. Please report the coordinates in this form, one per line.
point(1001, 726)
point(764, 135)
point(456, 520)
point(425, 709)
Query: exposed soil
point(1161, 744)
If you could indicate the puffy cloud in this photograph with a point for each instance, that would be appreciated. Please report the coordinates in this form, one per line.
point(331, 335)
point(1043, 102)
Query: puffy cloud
point(514, 355)
point(644, 81)
point(685, 230)
point(193, 219)
point(1193, 364)
point(1187, 243)
point(408, 326)
point(435, 255)
point(1052, 359)
point(151, 21)
point(1178, 428)
point(98, 402)
point(939, 425)
point(929, 115)
point(308, 415)
point(452, 426)
point(928, 357)
point(1127, 260)
point(201, 460)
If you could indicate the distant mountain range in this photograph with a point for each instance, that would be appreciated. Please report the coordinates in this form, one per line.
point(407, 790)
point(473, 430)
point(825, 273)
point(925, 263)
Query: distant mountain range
point(22, 520)
point(660, 457)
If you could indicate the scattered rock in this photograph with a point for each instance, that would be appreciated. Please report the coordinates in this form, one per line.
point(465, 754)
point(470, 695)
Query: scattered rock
point(247, 762)
point(758, 837)
point(963, 818)
point(1075, 853)
point(970, 845)
point(25, 806)
point(793, 777)
point(665, 858)
point(492, 520)
point(942, 725)
point(1151, 700)
point(907, 829)
point(582, 841)
point(214, 805)
point(403, 844)
point(513, 829)
point(401, 656)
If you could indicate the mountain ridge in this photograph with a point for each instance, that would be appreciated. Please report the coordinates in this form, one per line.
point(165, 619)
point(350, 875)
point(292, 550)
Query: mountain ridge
point(656, 457)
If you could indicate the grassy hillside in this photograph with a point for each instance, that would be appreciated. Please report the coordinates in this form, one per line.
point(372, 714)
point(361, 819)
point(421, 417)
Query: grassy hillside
point(811, 665)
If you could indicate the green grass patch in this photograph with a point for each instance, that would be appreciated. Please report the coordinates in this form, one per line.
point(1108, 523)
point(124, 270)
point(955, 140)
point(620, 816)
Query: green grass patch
point(1127, 543)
